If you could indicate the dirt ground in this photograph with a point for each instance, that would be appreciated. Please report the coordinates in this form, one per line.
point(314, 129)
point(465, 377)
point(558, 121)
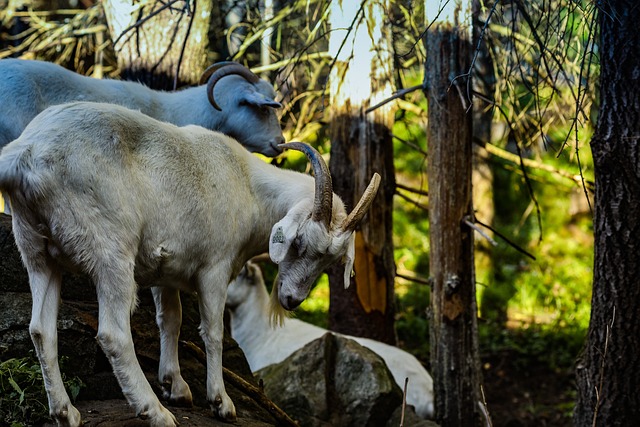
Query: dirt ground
point(516, 397)
point(527, 396)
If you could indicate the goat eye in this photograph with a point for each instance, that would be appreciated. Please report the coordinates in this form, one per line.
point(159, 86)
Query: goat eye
point(299, 245)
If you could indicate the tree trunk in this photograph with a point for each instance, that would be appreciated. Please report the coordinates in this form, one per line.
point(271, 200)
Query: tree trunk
point(361, 145)
point(608, 373)
point(152, 41)
point(454, 347)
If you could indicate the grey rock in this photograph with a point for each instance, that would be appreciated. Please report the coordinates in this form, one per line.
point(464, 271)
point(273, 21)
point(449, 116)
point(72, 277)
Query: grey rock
point(333, 381)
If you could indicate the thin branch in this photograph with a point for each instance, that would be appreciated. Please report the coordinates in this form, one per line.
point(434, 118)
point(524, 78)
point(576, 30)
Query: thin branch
point(484, 409)
point(191, 15)
point(471, 225)
point(506, 239)
point(475, 57)
point(344, 40)
point(141, 21)
point(398, 94)
point(404, 401)
point(412, 190)
point(249, 389)
point(422, 34)
point(504, 154)
point(602, 365)
point(298, 58)
point(410, 144)
point(542, 45)
point(527, 180)
point(413, 202)
point(415, 279)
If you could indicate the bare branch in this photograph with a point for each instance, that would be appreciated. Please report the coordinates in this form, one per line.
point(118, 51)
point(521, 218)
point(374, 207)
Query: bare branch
point(404, 401)
point(410, 144)
point(413, 202)
point(141, 21)
point(237, 381)
point(415, 279)
point(396, 95)
point(412, 190)
point(506, 239)
point(504, 154)
point(466, 220)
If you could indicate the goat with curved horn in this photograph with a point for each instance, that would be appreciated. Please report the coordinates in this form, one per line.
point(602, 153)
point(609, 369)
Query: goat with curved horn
point(248, 102)
point(290, 237)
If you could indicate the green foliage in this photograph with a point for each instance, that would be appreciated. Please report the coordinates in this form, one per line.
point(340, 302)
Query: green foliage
point(412, 326)
point(554, 347)
point(23, 399)
point(556, 287)
point(315, 309)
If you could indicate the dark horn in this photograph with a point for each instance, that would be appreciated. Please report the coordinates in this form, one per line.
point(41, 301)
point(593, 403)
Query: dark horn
point(222, 69)
point(213, 68)
point(323, 199)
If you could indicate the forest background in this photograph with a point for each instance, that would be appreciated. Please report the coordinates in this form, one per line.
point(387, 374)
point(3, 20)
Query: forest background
point(534, 71)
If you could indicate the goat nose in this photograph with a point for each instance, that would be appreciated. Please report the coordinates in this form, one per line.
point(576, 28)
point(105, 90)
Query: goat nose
point(291, 303)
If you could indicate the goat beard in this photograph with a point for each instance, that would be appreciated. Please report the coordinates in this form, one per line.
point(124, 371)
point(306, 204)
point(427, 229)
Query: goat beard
point(277, 312)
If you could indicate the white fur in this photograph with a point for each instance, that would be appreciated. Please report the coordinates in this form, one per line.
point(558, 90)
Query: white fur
point(133, 201)
point(263, 345)
point(28, 87)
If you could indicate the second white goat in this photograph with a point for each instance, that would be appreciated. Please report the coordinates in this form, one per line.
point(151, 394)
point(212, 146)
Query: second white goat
point(263, 345)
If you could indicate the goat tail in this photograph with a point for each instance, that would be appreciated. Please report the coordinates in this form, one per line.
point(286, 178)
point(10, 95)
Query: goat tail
point(277, 313)
point(16, 169)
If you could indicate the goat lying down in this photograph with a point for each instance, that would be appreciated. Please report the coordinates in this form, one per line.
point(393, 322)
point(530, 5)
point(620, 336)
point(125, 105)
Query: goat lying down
point(133, 201)
point(241, 105)
point(263, 345)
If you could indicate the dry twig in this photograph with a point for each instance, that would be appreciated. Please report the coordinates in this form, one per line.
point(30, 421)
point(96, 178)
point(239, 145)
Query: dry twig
point(249, 389)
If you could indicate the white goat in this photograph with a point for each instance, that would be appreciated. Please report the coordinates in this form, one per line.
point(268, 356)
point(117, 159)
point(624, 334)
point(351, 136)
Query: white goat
point(263, 345)
point(28, 87)
point(132, 201)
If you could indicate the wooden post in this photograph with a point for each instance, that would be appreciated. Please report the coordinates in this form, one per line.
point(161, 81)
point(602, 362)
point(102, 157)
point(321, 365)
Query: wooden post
point(361, 144)
point(454, 346)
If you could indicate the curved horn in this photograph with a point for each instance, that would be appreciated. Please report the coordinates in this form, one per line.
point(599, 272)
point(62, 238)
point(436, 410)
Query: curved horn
point(213, 68)
point(358, 212)
point(323, 199)
point(222, 69)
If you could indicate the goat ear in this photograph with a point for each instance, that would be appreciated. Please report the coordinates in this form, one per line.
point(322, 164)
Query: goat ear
point(282, 234)
point(259, 100)
point(349, 258)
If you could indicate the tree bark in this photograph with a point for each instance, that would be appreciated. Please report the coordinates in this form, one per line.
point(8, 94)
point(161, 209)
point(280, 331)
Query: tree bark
point(455, 365)
point(608, 373)
point(152, 40)
point(361, 144)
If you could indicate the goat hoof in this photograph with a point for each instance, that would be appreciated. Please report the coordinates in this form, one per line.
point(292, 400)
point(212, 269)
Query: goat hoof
point(177, 394)
point(69, 417)
point(181, 401)
point(223, 408)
